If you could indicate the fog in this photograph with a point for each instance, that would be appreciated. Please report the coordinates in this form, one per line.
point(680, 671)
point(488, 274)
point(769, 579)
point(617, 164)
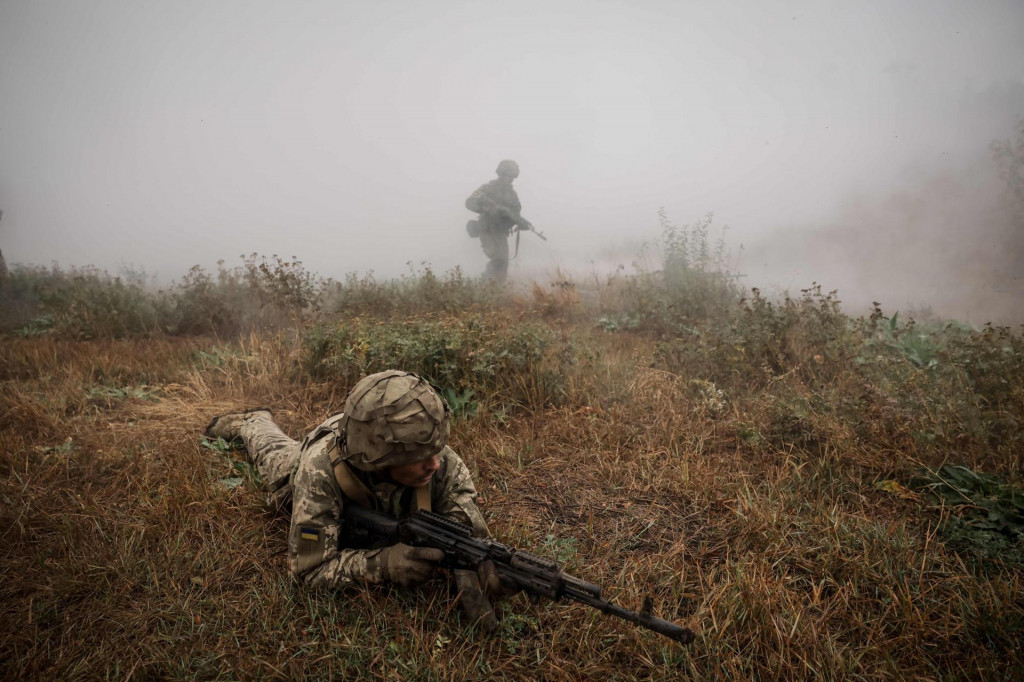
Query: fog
point(843, 143)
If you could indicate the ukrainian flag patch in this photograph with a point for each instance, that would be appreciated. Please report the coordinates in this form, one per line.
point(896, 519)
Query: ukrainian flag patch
point(312, 534)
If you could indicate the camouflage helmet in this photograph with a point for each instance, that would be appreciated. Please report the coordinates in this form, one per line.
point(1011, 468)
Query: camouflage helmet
point(508, 167)
point(392, 418)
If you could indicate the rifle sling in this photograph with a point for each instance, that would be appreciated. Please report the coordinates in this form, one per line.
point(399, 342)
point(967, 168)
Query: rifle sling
point(423, 498)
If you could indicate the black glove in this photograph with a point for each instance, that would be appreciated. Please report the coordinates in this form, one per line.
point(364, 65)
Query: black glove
point(409, 566)
point(493, 584)
point(473, 601)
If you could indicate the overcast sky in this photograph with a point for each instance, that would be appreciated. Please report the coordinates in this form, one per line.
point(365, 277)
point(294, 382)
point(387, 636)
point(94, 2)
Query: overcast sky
point(166, 134)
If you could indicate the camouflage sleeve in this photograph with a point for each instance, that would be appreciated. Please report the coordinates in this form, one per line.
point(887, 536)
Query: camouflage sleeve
point(454, 494)
point(477, 201)
point(314, 554)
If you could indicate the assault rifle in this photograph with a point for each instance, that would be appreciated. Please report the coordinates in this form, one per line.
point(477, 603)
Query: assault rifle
point(524, 224)
point(533, 574)
point(521, 224)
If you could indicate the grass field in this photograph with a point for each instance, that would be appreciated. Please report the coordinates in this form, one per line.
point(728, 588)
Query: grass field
point(818, 496)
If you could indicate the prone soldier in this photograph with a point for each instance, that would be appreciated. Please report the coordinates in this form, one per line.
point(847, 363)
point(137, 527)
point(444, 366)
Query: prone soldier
point(386, 452)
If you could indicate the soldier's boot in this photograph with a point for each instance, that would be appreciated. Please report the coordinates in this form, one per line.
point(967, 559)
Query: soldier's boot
point(229, 426)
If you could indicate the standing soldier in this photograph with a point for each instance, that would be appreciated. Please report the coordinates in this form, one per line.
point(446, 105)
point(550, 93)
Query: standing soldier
point(387, 451)
point(498, 206)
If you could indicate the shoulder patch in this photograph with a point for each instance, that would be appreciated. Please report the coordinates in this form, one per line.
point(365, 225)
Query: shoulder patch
point(312, 534)
point(310, 551)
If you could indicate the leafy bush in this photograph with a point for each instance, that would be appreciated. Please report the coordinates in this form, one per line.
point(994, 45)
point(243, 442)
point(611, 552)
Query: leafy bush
point(989, 518)
point(818, 378)
point(260, 293)
point(89, 303)
point(79, 303)
point(419, 291)
point(522, 364)
point(199, 305)
point(954, 389)
point(758, 340)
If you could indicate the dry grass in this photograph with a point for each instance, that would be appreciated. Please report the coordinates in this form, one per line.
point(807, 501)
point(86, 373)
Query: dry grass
point(124, 556)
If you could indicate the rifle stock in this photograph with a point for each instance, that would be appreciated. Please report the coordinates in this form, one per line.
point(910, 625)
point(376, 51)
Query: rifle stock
point(533, 574)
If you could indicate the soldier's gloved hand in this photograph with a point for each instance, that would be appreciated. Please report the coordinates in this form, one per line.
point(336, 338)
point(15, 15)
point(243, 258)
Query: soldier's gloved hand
point(473, 601)
point(409, 566)
point(506, 212)
point(494, 585)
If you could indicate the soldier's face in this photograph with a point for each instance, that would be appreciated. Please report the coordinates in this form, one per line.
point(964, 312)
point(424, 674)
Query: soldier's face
point(416, 474)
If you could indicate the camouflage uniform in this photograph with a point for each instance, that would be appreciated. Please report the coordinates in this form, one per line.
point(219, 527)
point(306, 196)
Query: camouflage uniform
point(301, 478)
point(495, 224)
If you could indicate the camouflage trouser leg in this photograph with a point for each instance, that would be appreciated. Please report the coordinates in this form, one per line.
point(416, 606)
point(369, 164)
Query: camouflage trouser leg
point(495, 246)
point(273, 453)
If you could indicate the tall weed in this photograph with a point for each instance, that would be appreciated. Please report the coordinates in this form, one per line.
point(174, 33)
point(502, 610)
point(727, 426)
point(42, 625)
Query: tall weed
point(693, 285)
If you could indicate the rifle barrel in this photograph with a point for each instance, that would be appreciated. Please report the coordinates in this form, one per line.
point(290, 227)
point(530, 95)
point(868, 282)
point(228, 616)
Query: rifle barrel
point(643, 619)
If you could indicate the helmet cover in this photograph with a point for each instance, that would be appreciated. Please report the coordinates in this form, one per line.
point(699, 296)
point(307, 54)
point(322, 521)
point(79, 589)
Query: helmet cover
point(392, 418)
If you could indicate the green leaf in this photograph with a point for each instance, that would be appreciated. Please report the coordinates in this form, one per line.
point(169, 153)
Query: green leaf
point(218, 445)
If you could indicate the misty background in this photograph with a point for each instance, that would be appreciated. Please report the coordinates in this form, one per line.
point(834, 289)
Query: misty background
point(843, 143)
